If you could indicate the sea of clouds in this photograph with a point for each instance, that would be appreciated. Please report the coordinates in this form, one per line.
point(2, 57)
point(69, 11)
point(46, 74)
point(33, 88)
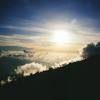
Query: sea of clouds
point(26, 61)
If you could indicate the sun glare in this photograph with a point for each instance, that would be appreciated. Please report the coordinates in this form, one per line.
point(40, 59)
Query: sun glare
point(60, 37)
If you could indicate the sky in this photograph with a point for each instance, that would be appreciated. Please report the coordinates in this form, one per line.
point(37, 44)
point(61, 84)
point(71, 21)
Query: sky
point(33, 23)
point(55, 30)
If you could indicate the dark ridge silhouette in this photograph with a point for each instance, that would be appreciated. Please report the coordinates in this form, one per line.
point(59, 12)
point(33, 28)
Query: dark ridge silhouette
point(75, 81)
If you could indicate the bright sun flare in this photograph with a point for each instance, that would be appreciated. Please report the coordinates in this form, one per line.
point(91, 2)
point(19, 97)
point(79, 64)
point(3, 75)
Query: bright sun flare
point(60, 36)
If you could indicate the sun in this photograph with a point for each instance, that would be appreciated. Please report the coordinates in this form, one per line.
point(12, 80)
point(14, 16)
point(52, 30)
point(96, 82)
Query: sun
point(60, 37)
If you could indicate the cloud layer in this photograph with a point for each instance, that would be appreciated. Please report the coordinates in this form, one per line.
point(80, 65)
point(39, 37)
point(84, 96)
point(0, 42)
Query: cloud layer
point(91, 50)
point(31, 68)
point(27, 61)
point(22, 61)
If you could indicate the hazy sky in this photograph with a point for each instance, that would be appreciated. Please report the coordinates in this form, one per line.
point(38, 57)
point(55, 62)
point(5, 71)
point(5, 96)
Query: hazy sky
point(32, 23)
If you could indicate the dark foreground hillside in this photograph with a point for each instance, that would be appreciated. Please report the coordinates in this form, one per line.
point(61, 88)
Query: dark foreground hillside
point(76, 81)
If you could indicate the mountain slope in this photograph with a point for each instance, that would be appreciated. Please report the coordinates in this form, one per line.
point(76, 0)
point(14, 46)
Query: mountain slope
point(76, 81)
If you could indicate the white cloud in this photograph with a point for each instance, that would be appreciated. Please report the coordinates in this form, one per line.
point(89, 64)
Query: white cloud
point(91, 50)
point(25, 28)
point(31, 68)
